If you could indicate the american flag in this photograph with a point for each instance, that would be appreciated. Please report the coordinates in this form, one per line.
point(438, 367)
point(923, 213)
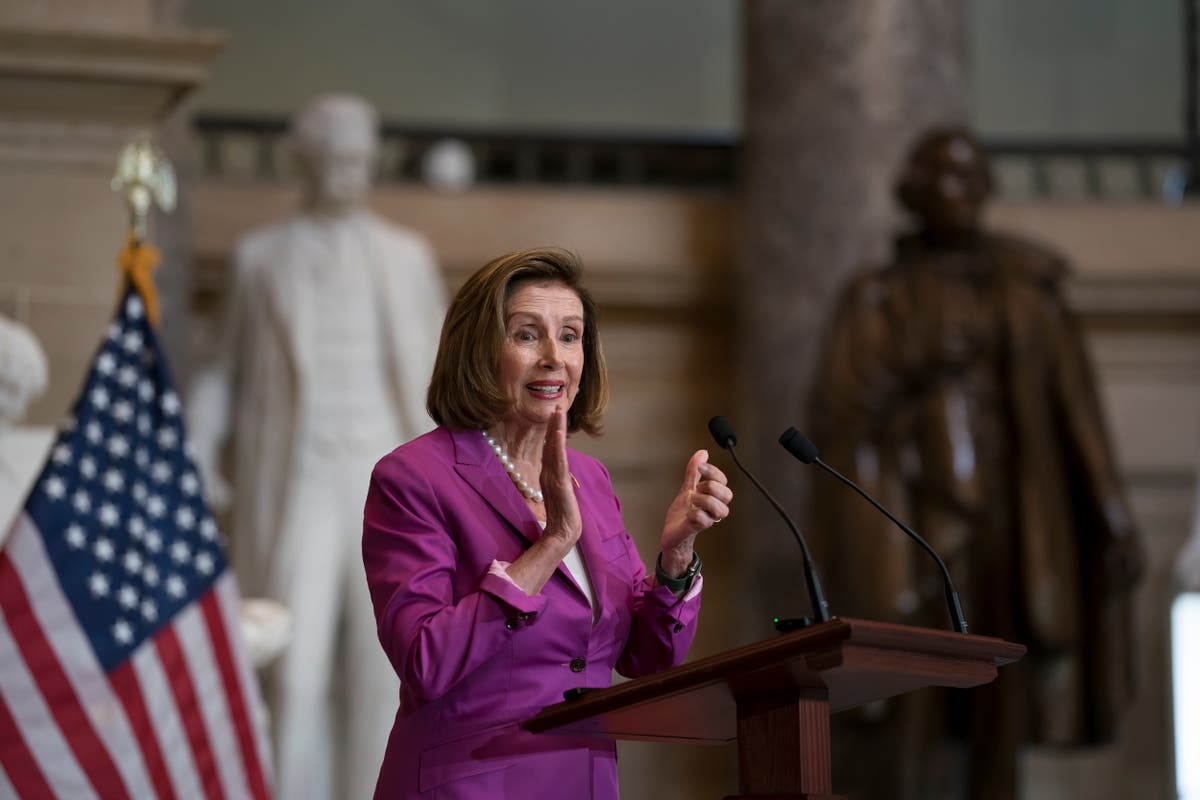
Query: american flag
point(122, 670)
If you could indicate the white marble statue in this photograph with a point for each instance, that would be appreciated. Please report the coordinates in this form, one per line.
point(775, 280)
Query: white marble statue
point(333, 323)
point(23, 449)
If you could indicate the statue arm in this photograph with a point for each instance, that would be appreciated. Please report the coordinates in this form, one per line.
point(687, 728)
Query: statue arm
point(433, 288)
point(210, 396)
point(861, 371)
point(416, 288)
point(1092, 456)
point(208, 425)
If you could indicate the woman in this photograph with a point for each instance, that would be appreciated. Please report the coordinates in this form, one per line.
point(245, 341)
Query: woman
point(499, 569)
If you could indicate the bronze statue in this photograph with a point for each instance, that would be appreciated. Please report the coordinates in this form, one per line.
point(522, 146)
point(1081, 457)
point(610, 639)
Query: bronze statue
point(955, 387)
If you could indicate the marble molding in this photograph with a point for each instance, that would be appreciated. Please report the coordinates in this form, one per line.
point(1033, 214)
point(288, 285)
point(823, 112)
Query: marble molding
point(77, 96)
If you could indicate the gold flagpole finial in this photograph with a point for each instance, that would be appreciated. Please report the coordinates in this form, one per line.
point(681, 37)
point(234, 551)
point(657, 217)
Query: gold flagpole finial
point(145, 176)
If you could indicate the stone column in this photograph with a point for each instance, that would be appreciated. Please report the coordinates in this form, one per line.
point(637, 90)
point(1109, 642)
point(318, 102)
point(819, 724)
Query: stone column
point(834, 93)
point(78, 79)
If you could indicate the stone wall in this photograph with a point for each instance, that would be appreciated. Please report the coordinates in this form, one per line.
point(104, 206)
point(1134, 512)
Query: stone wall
point(78, 80)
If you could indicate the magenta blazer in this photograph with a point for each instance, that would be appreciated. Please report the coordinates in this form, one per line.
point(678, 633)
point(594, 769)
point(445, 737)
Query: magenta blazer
point(474, 653)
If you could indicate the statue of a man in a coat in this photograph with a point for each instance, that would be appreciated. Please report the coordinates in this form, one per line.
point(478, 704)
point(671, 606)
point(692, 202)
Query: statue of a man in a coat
point(333, 322)
point(956, 388)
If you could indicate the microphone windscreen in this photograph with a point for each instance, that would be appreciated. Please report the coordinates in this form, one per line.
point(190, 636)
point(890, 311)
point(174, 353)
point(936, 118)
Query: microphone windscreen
point(722, 430)
point(795, 443)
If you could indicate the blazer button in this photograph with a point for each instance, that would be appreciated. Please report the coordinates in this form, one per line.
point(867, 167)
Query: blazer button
point(511, 624)
point(578, 665)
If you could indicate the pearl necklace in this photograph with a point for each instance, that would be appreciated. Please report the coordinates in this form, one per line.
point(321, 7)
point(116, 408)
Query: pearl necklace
point(521, 484)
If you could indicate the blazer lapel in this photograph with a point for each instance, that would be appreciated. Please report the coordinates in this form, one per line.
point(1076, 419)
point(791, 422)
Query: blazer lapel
point(589, 545)
point(479, 467)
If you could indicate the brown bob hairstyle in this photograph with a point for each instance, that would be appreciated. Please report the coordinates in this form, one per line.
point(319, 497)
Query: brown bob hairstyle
point(464, 392)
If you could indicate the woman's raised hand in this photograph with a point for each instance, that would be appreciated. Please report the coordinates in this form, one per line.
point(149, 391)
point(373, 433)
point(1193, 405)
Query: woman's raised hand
point(562, 509)
point(702, 502)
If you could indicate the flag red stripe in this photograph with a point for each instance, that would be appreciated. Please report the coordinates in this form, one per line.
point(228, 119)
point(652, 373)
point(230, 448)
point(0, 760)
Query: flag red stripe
point(175, 668)
point(55, 686)
point(223, 655)
point(125, 684)
point(19, 764)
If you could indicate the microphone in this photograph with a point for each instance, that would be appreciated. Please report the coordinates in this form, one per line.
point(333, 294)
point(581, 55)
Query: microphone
point(722, 431)
point(795, 443)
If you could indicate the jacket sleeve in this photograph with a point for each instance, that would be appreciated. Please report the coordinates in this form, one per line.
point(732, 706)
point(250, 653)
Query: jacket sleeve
point(663, 626)
point(432, 639)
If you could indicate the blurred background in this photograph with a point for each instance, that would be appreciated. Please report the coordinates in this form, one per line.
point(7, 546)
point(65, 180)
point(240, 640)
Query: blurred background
point(723, 168)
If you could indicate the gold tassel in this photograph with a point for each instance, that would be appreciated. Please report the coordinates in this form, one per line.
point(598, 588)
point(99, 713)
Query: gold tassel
point(137, 262)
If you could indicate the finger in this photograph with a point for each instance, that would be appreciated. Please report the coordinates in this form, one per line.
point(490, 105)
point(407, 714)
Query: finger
point(700, 520)
point(562, 509)
point(691, 473)
point(710, 471)
point(710, 506)
point(554, 451)
point(717, 490)
point(555, 464)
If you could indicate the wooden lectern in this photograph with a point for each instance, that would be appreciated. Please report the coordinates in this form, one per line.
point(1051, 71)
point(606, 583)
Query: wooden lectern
point(775, 697)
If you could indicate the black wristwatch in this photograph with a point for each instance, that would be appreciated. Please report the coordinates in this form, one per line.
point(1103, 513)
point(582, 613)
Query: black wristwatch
point(684, 581)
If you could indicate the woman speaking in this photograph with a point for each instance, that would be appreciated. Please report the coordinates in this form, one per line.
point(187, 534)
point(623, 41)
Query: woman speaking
point(500, 571)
